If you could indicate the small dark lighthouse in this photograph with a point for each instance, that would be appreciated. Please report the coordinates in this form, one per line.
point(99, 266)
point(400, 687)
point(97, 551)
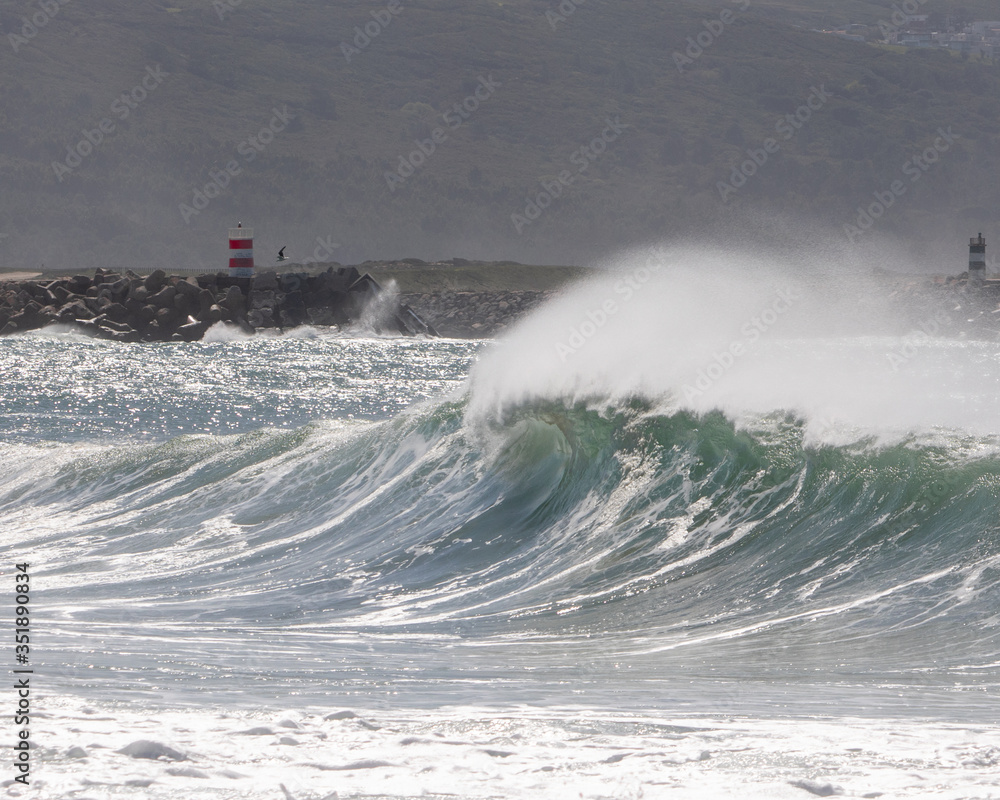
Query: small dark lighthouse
point(977, 258)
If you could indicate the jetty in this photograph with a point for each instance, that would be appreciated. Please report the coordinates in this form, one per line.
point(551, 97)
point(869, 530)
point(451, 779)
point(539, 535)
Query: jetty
point(163, 308)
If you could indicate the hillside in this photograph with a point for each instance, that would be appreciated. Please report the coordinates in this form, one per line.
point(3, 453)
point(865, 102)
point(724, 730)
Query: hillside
point(825, 14)
point(309, 116)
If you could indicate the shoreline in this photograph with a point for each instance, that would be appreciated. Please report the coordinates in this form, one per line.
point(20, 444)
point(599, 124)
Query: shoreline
point(19, 276)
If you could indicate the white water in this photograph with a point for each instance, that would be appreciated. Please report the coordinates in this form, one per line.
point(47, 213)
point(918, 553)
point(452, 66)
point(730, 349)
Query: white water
point(747, 334)
point(522, 753)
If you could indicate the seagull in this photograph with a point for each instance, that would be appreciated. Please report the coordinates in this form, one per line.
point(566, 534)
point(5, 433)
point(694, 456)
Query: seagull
point(281, 254)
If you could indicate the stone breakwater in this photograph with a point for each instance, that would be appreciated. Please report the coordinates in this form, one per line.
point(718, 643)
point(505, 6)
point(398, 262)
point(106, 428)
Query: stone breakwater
point(955, 308)
point(156, 308)
point(473, 314)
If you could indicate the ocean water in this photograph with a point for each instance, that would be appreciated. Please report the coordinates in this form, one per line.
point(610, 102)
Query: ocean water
point(685, 532)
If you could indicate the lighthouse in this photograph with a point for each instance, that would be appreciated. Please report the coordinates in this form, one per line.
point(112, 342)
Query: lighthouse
point(977, 258)
point(240, 252)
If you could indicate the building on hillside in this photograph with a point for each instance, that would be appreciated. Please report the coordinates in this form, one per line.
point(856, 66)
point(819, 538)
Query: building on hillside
point(844, 34)
point(985, 29)
point(916, 39)
point(969, 44)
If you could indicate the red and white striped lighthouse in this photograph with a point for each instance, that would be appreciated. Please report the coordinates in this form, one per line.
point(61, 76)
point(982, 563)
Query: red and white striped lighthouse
point(241, 252)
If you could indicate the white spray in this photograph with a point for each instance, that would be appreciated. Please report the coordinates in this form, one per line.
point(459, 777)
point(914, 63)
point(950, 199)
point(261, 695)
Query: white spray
point(748, 334)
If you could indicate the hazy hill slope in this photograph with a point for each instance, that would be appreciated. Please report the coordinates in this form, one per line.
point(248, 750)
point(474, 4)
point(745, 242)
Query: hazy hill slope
point(321, 183)
point(825, 14)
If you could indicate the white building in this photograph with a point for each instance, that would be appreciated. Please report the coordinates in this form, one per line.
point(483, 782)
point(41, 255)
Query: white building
point(987, 29)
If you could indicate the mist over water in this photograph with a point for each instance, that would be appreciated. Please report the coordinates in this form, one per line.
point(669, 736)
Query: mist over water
point(747, 333)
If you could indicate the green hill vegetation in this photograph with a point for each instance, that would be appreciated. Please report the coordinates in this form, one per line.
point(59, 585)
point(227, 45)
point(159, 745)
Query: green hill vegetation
point(288, 116)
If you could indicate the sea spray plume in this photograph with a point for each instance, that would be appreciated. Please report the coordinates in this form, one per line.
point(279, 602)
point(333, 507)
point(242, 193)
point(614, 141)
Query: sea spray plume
point(378, 314)
point(645, 326)
point(223, 332)
point(749, 333)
